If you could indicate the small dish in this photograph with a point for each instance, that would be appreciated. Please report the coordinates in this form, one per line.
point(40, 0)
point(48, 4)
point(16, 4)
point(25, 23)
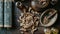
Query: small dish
point(48, 17)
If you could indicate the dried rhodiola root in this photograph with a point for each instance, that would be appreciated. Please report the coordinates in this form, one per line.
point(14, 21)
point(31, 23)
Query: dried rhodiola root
point(29, 21)
point(29, 18)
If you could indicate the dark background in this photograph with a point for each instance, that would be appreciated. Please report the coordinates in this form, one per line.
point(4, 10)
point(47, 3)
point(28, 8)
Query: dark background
point(16, 13)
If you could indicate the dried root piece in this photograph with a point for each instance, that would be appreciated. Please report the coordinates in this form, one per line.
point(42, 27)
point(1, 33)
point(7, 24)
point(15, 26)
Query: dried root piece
point(29, 21)
point(45, 20)
point(22, 29)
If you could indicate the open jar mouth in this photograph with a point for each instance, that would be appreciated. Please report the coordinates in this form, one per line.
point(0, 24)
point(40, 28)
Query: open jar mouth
point(36, 4)
point(48, 17)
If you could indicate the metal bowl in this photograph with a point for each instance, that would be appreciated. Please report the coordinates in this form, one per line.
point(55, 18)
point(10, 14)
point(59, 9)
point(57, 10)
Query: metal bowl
point(48, 17)
point(37, 4)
